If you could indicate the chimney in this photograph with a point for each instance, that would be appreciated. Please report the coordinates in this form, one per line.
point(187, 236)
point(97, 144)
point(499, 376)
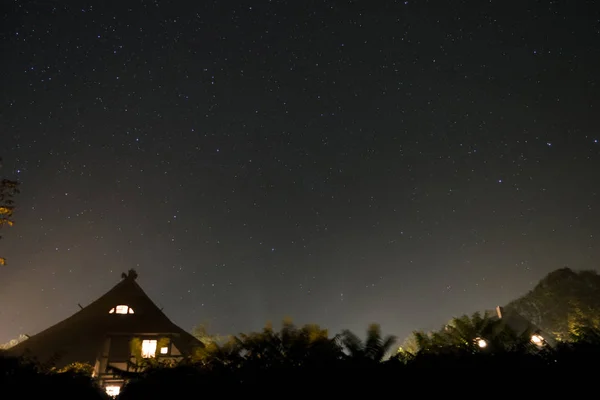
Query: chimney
point(499, 311)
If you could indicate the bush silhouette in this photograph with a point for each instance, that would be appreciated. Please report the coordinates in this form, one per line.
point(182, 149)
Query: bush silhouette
point(23, 378)
point(304, 361)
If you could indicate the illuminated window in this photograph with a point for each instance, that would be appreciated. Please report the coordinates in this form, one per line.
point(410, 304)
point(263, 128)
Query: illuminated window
point(121, 309)
point(113, 390)
point(148, 348)
point(164, 350)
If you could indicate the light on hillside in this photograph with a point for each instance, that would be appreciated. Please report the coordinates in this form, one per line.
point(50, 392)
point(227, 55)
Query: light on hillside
point(482, 343)
point(537, 340)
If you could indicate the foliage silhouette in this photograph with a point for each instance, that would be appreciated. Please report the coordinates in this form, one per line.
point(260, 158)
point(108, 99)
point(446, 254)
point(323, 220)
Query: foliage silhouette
point(373, 349)
point(562, 302)
point(8, 190)
point(201, 332)
point(13, 342)
point(290, 347)
point(26, 379)
point(464, 334)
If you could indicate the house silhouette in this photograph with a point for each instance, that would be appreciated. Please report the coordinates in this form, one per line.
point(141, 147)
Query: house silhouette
point(112, 334)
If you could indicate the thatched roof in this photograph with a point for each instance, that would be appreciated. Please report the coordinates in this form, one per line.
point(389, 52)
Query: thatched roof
point(80, 337)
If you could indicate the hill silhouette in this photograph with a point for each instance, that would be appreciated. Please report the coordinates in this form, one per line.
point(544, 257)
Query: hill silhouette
point(562, 302)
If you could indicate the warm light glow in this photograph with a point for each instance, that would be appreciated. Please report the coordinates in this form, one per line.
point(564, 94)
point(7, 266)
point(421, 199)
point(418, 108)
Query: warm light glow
point(537, 339)
point(164, 350)
point(148, 348)
point(113, 390)
point(481, 343)
point(121, 309)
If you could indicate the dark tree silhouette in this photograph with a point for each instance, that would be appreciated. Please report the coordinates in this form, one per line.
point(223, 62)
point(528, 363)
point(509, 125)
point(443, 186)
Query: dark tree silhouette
point(27, 379)
point(373, 349)
point(471, 334)
point(289, 348)
point(8, 190)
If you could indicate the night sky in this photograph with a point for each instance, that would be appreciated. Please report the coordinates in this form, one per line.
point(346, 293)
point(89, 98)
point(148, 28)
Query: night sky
point(337, 162)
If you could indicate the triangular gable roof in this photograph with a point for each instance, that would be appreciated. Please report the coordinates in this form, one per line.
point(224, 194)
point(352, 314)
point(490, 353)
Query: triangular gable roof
point(80, 336)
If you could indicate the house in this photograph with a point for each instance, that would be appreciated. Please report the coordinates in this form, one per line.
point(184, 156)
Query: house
point(116, 331)
point(520, 325)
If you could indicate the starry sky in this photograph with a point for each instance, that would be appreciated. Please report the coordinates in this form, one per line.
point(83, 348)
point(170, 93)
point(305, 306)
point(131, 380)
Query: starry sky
point(337, 162)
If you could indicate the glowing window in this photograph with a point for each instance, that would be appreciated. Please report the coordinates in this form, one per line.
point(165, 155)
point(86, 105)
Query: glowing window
point(121, 309)
point(148, 348)
point(113, 390)
point(164, 350)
